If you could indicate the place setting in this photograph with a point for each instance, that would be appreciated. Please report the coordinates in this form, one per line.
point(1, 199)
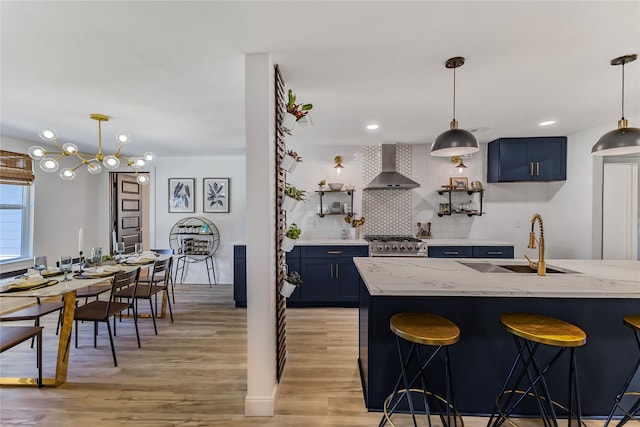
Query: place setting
point(140, 257)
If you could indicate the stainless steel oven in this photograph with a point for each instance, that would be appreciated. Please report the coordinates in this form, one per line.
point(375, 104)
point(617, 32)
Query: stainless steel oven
point(397, 246)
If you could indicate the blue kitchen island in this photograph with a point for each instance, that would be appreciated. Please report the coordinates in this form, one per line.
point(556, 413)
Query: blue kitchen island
point(592, 294)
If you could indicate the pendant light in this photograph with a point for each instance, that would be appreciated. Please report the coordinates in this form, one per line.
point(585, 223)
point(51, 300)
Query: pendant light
point(624, 140)
point(454, 142)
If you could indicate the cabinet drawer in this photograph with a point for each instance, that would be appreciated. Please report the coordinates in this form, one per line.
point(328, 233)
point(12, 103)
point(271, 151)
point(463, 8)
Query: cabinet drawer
point(333, 251)
point(493, 251)
point(450, 251)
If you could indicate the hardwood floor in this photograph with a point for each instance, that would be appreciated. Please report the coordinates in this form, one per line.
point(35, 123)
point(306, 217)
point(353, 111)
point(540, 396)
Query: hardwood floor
point(193, 373)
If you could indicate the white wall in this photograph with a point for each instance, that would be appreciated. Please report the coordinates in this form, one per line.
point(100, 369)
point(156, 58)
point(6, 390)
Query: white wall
point(230, 225)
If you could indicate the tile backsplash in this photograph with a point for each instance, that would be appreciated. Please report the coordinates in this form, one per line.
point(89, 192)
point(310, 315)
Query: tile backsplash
point(386, 211)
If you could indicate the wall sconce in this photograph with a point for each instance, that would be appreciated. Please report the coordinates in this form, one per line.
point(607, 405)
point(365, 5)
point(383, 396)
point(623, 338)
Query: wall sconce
point(338, 162)
point(457, 160)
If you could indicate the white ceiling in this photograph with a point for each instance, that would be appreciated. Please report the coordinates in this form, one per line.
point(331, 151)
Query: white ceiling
point(171, 73)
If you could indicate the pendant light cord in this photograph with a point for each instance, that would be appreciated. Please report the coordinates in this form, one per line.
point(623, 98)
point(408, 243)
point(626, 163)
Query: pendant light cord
point(623, 91)
point(454, 94)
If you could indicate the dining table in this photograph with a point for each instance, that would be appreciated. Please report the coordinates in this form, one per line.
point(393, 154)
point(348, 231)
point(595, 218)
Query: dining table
point(55, 287)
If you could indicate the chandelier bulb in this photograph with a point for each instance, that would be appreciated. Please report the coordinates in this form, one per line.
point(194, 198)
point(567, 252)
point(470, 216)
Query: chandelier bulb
point(70, 148)
point(150, 157)
point(36, 152)
point(123, 138)
point(48, 164)
point(139, 163)
point(47, 134)
point(67, 174)
point(142, 179)
point(111, 162)
point(94, 168)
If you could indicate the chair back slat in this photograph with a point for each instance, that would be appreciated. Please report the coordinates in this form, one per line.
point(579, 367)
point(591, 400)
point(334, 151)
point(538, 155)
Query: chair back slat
point(121, 280)
point(162, 268)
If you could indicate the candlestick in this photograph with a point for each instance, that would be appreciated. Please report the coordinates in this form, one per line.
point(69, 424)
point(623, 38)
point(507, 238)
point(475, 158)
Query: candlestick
point(80, 242)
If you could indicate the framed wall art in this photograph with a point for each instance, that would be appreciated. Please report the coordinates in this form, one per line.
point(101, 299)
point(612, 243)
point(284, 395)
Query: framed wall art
point(216, 195)
point(182, 194)
point(459, 182)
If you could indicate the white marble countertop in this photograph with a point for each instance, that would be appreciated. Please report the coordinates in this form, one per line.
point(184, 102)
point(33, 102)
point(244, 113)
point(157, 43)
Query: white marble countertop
point(465, 242)
point(319, 242)
point(390, 276)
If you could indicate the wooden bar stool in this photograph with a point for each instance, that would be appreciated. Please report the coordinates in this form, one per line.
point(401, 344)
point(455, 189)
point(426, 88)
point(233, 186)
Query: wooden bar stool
point(529, 332)
point(633, 322)
point(422, 329)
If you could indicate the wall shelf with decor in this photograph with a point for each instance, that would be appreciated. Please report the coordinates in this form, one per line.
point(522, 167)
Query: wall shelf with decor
point(342, 211)
point(471, 209)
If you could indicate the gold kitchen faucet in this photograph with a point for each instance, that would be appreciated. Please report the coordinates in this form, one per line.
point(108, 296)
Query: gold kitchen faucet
point(540, 266)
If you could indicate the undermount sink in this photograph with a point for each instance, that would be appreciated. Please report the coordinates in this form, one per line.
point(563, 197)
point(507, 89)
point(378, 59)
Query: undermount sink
point(487, 267)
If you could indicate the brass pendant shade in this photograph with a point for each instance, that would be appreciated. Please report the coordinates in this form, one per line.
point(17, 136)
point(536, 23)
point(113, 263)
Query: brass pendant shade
point(454, 142)
point(625, 139)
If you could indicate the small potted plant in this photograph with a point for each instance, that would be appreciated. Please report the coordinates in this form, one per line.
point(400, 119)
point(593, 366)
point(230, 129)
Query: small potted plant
point(291, 234)
point(290, 161)
point(294, 112)
point(291, 281)
point(321, 184)
point(292, 196)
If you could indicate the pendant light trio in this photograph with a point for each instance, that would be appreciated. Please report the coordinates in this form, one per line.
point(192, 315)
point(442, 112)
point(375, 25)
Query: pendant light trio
point(460, 142)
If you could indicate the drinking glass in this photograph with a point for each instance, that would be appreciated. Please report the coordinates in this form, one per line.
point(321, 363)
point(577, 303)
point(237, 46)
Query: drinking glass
point(138, 248)
point(96, 255)
point(119, 249)
point(66, 262)
point(40, 263)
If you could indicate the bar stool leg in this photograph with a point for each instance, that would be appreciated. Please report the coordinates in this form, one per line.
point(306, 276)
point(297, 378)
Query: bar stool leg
point(636, 406)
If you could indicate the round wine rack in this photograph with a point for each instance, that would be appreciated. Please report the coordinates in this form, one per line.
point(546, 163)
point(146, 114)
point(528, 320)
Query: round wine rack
point(196, 238)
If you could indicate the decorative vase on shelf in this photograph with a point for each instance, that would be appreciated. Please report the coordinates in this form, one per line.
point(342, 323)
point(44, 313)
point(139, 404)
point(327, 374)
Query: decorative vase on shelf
point(288, 121)
point(289, 163)
point(287, 288)
point(289, 203)
point(288, 243)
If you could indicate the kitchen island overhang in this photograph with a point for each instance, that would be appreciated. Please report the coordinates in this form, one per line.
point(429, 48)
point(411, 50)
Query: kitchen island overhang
point(595, 298)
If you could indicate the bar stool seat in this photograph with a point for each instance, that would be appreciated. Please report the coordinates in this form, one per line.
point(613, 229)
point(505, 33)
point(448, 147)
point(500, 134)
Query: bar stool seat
point(529, 332)
point(633, 323)
point(422, 329)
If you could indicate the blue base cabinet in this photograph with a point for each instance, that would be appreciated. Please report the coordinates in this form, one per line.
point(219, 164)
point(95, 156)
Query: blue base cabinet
point(470, 251)
point(330, 278)
point(527, 159)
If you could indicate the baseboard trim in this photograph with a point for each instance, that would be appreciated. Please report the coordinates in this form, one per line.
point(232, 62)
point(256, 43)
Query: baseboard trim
point(261, 406)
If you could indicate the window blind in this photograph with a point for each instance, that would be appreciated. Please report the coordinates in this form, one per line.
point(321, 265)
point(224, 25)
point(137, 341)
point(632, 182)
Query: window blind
point(15, 168)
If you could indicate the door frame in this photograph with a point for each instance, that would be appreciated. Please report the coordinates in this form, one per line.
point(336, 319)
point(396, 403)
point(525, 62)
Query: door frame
point(148, 238)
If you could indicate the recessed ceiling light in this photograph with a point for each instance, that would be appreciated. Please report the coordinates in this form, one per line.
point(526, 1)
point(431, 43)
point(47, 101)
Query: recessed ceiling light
point(372, 126)
point(547, 123)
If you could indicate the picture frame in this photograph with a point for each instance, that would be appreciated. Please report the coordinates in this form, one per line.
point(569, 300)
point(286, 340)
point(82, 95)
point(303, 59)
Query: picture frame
point(216, 195)
point(182, 195)
point(459, 182)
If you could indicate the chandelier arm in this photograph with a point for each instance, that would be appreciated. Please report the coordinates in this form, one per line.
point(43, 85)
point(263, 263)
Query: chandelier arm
point(117, 153)
point(99, 139)
point(55, 141)
point(84, 157)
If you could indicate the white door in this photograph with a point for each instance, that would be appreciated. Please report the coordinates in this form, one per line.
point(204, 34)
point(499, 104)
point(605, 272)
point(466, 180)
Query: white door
point(620, 211)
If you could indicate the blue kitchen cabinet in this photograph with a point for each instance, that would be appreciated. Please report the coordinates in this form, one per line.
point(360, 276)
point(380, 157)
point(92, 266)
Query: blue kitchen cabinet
point(470, 251)
point(527, 159)
point(329, 275)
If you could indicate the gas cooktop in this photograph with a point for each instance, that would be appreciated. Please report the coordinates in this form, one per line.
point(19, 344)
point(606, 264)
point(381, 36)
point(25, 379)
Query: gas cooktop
point(396, 246)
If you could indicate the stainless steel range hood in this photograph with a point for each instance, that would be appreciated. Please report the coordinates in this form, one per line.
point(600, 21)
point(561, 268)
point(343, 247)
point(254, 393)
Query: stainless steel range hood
point(389, 179)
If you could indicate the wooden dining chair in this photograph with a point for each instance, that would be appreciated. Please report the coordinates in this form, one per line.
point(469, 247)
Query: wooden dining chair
point(158, 282)
point(101, 311)
point(11, 336)
point(34, 312)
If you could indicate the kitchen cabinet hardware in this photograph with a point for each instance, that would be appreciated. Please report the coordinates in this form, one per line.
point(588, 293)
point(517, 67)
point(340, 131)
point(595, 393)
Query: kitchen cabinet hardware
point(527, 159)
point(322, 193)
point(334, 252)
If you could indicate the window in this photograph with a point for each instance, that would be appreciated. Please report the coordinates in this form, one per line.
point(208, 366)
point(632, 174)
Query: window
point(14, 222)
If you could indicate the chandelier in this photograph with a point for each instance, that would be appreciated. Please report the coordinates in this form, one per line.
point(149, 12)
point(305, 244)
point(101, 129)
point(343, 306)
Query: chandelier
point(49, 160)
